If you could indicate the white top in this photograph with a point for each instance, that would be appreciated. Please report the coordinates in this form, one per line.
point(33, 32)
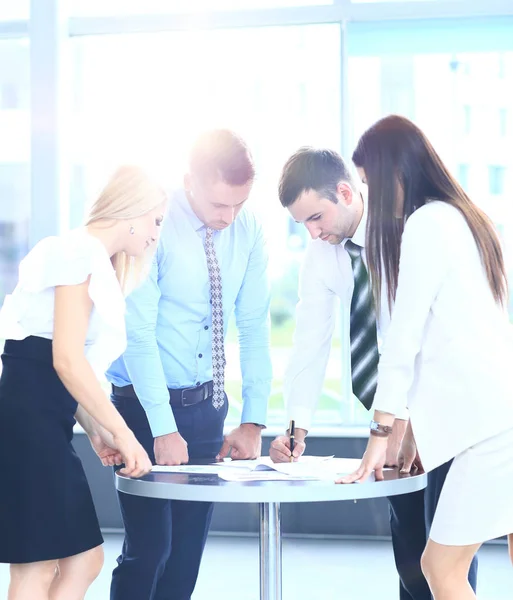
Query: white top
point(326, 274)
point(68, 260)
point(448, 354)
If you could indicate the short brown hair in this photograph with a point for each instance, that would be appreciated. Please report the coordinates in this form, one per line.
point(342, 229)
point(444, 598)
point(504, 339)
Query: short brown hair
point(319, 169)
point(221, 154)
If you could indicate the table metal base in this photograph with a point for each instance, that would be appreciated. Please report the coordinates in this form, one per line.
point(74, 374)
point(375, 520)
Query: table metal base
point(270, 551)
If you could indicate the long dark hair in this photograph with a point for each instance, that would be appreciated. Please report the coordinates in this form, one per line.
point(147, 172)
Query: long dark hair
point(396, 152)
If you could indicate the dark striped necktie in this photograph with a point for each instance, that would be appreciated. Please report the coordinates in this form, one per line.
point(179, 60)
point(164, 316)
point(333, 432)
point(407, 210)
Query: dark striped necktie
point(362, 331)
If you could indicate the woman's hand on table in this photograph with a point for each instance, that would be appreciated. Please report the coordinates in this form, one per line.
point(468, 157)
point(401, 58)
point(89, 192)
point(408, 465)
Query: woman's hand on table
point(373, 460)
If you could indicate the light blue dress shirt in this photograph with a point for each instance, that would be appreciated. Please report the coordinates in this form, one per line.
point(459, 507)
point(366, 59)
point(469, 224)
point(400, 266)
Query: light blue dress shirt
point(169, 316)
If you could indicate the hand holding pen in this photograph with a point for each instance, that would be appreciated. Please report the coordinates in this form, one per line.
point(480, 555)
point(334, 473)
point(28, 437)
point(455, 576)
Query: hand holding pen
point(288, 447)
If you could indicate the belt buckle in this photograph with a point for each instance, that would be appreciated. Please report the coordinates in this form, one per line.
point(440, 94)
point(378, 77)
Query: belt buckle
point(183, 397)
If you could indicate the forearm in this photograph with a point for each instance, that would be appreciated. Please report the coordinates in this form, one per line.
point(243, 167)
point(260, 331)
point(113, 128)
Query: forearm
point(304, 378)
point(306, 368)
point(384, 418)
point(253, 324)
point(302, 386)
point(88, 424)
point(142, 356)
point(409, 433)
point(144, 367)
point(91, 427)
point(255, 398)
point(79, 379)
point(424, 266)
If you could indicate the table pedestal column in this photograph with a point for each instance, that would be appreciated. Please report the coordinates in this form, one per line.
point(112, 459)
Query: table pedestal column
point(270, 551)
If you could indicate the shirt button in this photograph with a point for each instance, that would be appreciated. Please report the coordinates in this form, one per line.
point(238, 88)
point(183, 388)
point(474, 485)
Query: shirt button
point(206, 327)
point(200, 355)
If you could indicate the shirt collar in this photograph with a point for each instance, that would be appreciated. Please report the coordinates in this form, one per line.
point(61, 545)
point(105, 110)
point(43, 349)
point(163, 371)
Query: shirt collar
point(183, 202)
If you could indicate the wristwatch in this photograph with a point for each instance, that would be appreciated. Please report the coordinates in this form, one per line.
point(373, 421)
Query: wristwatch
point(380, 430)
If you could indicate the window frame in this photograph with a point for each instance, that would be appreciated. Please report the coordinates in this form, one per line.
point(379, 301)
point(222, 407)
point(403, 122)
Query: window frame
point(362, 30)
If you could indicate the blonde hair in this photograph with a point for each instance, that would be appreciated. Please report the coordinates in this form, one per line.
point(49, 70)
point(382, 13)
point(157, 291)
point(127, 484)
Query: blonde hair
point(129, 193)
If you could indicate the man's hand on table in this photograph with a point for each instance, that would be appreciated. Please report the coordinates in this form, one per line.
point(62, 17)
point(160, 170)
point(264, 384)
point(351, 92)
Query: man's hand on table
point(171, 449)
point(245, 442)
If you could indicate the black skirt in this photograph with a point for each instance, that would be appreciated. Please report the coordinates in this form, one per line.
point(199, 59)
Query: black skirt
point(46, 508)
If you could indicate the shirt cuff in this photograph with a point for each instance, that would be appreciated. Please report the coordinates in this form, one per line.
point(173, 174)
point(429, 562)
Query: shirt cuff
point(403, 414)
point(302, 417)
point(161, 420)
point(254, 414)
point(399, 412)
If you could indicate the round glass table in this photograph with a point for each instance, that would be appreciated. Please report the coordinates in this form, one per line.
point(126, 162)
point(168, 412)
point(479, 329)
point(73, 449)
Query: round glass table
point(269, 495)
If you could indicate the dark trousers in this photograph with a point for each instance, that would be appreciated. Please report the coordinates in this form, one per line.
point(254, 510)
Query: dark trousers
point(164, 539)
point(411, 516)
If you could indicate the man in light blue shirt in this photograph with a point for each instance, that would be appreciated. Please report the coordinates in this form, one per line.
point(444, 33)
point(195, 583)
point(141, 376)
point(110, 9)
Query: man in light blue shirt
point(168, 385)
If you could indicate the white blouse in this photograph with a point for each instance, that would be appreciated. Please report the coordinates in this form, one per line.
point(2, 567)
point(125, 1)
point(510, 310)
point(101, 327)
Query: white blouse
point(68, 260)
point(448, 353)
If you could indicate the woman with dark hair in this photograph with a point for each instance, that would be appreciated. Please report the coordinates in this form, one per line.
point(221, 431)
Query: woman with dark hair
point(449, 349)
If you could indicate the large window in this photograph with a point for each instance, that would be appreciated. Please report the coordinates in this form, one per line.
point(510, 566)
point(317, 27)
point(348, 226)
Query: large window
point(144, 97)
point(14, 159)
point(146, 77)
point(14, 9)
point(461, 101)
point(458, 99)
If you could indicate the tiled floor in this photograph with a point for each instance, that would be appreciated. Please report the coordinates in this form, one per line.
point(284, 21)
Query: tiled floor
point(312, 569)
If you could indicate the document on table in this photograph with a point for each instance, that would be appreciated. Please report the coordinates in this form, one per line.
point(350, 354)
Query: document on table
point(194, 469)
point(264, 465)
point(306, 468)
point(263, 469)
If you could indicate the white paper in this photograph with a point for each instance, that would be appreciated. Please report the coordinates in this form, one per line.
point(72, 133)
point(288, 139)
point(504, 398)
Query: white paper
point(263, 469)
point(205, 469)
point(306, 468)
point(242, 475)
point(266, 461)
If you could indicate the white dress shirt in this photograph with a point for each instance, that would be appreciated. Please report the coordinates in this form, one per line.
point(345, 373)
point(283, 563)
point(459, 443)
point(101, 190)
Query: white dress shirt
point(326, 274)
point(68, 260)
point(448, 353)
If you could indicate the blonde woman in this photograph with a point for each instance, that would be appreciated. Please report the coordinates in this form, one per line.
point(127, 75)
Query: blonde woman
point(64, 325)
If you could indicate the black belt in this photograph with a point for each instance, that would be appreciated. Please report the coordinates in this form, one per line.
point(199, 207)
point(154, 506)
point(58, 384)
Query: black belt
point(182, 397)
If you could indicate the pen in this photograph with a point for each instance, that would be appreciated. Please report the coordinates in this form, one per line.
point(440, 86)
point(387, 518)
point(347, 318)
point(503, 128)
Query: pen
point(291, 437)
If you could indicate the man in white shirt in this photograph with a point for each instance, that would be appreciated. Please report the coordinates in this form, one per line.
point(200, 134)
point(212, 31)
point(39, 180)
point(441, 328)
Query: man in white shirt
point(319, 191)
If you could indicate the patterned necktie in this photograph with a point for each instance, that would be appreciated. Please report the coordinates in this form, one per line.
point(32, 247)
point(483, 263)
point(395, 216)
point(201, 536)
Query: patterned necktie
point(362, 331)
point(216, 300)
